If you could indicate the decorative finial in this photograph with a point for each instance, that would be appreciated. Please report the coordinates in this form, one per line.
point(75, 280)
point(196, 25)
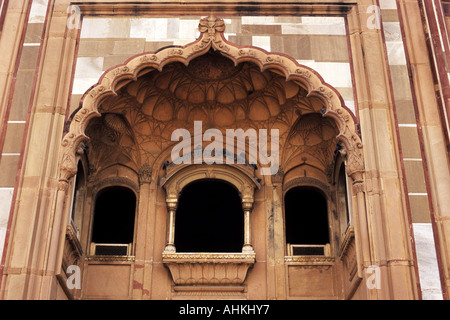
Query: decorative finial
point(211, 25)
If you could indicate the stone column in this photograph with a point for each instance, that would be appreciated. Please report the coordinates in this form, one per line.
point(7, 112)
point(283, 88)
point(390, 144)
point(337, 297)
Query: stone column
point(35, 219)
point(388, 234)
point(421, 27)
point(277, 237)
point(171, 209)
point(141, 241)
point(57, 233)
point(247, 206)
point(362, 237)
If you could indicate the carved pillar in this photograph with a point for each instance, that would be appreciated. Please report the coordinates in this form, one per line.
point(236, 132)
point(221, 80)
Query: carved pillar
point(171, 208)
point(247, 206)
point(355, 170)
point(59, 218)
point(63, 186)
point(363, 248)
point(277, 238)
point(58, 234)
point(365, 253)
point(142, 271)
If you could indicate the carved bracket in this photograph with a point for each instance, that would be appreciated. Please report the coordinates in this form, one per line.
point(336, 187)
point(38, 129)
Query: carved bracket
point(209, 268)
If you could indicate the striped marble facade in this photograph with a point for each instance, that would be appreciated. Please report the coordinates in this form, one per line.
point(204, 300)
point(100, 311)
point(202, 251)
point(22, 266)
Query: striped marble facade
point(319, 42)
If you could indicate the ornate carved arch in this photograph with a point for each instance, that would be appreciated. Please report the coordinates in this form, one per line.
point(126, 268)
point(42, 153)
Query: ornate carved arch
point(212, 38)
point(238, 178)
point(308, 182)
point(187, 174)
point(175, 183)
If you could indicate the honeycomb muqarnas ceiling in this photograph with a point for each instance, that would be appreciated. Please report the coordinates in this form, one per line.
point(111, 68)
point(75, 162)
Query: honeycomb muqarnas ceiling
point(211, 89)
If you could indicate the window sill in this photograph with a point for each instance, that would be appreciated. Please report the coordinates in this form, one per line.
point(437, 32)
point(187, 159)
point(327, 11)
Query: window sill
point(308, 260)
point(209, 268)
point(110, 258)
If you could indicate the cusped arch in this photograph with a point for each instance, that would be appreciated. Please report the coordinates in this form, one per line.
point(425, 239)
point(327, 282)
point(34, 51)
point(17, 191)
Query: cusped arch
point(175, 183)
point(212, 37)
point(183, 177)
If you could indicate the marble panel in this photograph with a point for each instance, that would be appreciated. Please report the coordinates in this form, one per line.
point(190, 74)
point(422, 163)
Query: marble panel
point(427, 261)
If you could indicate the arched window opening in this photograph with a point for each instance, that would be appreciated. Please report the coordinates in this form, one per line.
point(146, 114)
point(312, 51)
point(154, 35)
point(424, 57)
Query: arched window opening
point(342, 202)
point(306, 221)
point(113, 225)
point(209, 218)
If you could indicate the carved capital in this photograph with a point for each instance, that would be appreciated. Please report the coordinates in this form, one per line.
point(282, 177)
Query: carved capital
point(68, 166)
point(145, 174)
point(171, 204)
point(72, 145)
point(278, 177)
point(247, 204)
point(355, 165)
point(358, 186)
point(63, 185)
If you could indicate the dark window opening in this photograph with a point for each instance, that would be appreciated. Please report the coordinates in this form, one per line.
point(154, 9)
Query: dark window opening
point(306, 217)
point(111, 250)
point(308, 251)
point(209, 218)
point(114, 216)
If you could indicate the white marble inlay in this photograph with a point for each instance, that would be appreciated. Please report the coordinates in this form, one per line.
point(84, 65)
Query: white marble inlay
point(350, 105)
point(87, 73)
point(388, 5)
point(261, 42)
point(6, 195)
point(38, 11)
point(316, 25)
point(258, 20)
point(102, 28)
point(323, 21)
point(149, 29)
point(396, 53)
point(337, 74)
point(336, 29)
point(189, 29)
point(427, 261)
point(392, 31)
